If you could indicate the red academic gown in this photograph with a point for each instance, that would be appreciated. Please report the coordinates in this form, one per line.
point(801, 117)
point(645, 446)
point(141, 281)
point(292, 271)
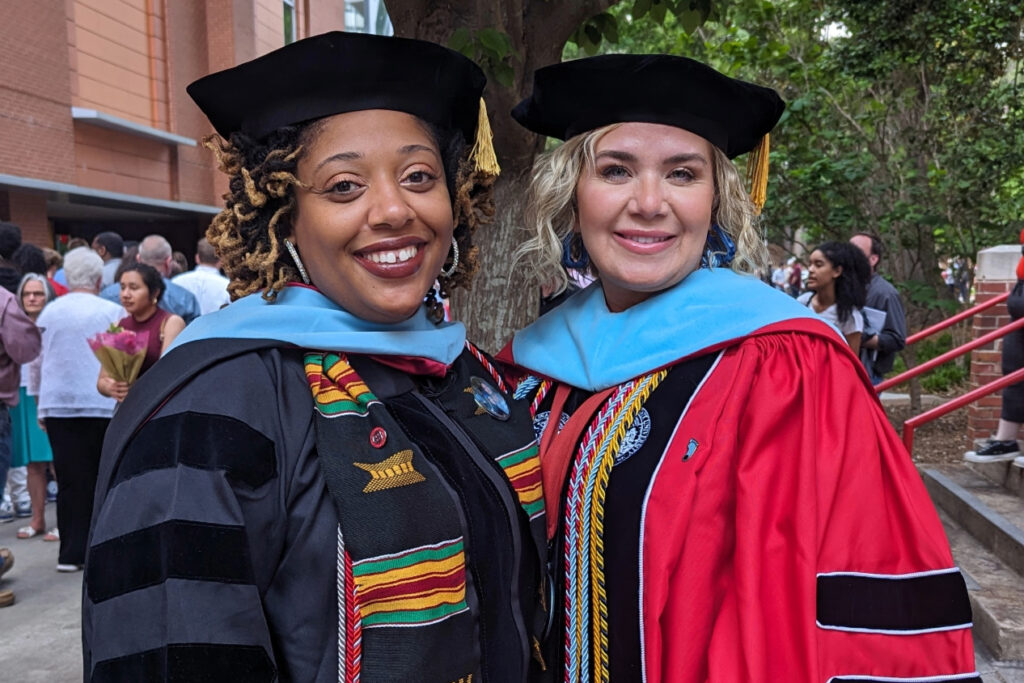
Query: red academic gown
point(786, 535)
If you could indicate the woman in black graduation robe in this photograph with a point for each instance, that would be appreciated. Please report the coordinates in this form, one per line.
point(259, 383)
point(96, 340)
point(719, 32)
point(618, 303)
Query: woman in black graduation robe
point(324, 481)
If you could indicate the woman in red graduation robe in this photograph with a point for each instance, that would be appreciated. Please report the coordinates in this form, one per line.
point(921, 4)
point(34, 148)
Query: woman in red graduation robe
point(726, 499)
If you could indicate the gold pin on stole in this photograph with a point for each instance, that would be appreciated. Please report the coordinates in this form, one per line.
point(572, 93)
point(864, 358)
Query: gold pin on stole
point(392, 473)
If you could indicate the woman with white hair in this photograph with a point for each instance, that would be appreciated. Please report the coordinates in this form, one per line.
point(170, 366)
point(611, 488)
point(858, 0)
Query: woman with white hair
point(72, 412)
point(31, 447)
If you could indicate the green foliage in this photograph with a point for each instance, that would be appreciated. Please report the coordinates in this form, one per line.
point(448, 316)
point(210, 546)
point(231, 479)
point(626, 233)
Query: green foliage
point(603, 29)
point(904, 118)
point(490, 48)
point(947, 376)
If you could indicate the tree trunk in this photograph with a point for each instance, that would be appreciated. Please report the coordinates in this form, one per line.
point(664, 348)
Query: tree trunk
point(499, 302)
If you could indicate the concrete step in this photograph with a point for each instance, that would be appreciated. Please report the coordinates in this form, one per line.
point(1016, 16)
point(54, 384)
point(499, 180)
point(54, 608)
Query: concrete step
point(994, 671)
point(990, 512)
point(1004, 474)
point(985, 527)
point(996, 593)
point(889, 398)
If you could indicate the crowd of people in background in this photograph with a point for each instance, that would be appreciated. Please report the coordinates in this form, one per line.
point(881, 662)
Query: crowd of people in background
point(55, 402)
point(842, 285)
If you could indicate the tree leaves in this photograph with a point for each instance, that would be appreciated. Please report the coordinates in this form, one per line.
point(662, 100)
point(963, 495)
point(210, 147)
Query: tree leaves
point(904, 118)
point(497, 43)
point(462, 41)
point(591, 32)
point(604, 27)
point(490, 48)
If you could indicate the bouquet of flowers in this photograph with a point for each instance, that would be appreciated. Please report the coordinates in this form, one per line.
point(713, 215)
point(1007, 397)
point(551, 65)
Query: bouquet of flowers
point(120, 352)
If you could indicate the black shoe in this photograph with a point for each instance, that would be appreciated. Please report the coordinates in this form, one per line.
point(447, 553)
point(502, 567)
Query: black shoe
point(994, 451)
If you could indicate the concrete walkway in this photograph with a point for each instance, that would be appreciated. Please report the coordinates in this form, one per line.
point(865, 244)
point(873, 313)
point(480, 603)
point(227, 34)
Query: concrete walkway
point(40, 634)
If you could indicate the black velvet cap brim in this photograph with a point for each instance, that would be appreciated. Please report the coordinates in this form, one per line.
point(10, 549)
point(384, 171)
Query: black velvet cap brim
point(577, 96)
point(335, 73)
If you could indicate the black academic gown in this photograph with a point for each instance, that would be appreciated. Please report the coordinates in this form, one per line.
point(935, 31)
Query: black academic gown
point(215, 545)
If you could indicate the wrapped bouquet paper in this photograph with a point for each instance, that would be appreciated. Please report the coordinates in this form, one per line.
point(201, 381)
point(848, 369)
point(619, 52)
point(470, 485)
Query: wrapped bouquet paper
point(120, 352)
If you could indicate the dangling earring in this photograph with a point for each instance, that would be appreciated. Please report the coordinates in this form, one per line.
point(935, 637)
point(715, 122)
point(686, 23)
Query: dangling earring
point(580, 262)
point(298, 262)
point(719, 250)
point(435, 307)
point(450, 270)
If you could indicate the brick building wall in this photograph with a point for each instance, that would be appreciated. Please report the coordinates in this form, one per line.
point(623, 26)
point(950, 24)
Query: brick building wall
point(118, 59)
point(996, 274)
point(128, 59)
point(35, 98)
point(203, 42)
point(269, 25)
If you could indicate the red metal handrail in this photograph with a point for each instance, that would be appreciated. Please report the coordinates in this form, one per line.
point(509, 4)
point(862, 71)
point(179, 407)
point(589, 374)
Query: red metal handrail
point(950, 355)
point(958, 402)
point(912, 423)
point(954, 319)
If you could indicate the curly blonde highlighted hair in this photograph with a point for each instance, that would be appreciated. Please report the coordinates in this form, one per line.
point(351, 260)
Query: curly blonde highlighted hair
point(551, 212)
point(249, 233)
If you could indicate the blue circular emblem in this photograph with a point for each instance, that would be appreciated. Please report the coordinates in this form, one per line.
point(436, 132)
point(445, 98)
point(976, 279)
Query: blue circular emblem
point(635, 437)
point(540, 421)
point(489, 399)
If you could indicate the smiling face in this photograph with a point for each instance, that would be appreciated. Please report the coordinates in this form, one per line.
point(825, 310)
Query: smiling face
point(645, 209)
point(135, 295)
point(375, 225)
point(33, 298)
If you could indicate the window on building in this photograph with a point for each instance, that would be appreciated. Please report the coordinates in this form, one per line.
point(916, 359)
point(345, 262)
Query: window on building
point(368, 16)
point(355, 16)
point(382, 23)
point(289, 21)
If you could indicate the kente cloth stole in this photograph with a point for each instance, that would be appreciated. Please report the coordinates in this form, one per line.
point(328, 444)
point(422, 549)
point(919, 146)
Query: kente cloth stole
point(586, 606)
point(402, 580)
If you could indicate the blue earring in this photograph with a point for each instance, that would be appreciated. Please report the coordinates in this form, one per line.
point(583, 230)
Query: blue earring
point(581, 262)
point(720, 249)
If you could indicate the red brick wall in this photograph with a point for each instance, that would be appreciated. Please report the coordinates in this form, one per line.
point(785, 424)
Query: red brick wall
point(321, 17)
point(27, 210)
point(36, 137)
point(983, 415)
point(117, 68)
point(121, 162)
point(97, 54)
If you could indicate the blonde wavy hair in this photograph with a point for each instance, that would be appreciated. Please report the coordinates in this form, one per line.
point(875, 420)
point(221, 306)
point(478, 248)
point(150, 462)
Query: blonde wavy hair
point(551, 212)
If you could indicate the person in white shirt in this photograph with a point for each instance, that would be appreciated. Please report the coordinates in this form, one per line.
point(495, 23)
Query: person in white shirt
point(205, 282)
point(779, 277)
point(837, 283)
point(73, 413)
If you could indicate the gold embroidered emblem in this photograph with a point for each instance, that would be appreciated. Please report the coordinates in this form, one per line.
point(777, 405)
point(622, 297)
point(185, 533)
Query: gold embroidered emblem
point(392, 473)
point(467, 679)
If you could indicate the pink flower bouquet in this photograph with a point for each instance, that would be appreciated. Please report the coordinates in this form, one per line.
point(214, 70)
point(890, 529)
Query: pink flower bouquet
point(120, 352)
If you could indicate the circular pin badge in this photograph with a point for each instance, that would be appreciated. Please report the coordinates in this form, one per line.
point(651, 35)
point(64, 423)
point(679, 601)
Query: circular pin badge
point(635, 436)
point(378, 437)
point(488, 399)
point(540, 422)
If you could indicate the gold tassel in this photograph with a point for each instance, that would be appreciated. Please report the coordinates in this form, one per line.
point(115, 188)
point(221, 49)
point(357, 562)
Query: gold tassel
point(483, 148)
point(757, 173)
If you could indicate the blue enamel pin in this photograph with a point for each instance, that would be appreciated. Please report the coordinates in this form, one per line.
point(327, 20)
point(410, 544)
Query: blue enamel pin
point(488, 399)
point(691, 448)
